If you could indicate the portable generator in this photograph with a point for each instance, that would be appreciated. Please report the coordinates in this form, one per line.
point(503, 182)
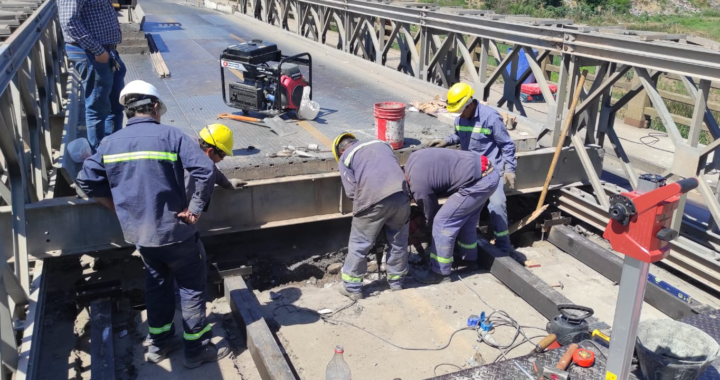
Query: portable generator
point(271, 82)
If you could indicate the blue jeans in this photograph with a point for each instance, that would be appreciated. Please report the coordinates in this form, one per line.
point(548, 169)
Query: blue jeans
point(456, 221)
point(102, 83)
point(185, 263)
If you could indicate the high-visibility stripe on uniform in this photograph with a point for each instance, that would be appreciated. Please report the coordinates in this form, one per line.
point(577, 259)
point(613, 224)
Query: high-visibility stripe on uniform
point(160, 330)
point(441, 260)
point(502, 233)
point(398, 276)
point(467, 128)
point(197, 336)
point(142, 155)
point(350, 155)
point(349, 278)
point(467, 246)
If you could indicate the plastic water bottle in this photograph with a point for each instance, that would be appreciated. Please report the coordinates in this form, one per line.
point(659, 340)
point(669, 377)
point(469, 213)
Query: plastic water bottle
point(337, 369)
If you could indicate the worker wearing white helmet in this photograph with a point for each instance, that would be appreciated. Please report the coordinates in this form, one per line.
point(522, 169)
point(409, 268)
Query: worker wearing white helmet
point(138, 172)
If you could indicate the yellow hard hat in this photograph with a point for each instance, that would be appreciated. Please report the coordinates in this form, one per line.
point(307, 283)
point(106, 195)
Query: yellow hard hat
point(458, 95)
point(219, 136)
point(341, 136)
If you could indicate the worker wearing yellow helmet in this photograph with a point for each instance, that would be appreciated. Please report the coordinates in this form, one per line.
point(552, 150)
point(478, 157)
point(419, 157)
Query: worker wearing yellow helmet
point(480, 129)
point(216, 140)
point(373, 179)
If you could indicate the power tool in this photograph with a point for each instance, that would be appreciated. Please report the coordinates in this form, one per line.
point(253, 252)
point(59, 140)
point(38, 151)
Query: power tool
point(271, 83)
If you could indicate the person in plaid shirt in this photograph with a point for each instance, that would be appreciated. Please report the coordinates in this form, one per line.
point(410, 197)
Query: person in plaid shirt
point(92, 33)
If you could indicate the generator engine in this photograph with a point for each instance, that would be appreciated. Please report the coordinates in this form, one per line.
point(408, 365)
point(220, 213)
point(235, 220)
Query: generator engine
point(271, 82)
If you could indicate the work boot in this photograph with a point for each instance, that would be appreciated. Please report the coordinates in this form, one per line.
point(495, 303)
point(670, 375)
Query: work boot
point(431, 278)
point(156, 357)
point(352, 295)
point(208, 355)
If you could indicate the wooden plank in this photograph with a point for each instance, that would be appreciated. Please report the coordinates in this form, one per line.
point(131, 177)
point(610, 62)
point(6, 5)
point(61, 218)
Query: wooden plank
point(684, 99)
point(676, 118)
point(102, 361)
point(32, 330)
point(268, 358)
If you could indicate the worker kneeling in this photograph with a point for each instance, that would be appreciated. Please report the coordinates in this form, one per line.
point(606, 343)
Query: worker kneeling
point(138, 173)
point(373, 179)
point(468, 180)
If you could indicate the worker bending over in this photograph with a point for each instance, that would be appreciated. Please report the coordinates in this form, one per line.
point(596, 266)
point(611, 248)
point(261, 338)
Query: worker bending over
point(373, 179)
point(468, 180)
point(138, 172)
point(481, 129)
point(216, 140)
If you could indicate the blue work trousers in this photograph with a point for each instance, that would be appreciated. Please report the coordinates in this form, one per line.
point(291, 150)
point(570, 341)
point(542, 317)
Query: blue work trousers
point(185, 263)
point(393, 213)
point(498, 217)
point(102, 83)
point(457, 221)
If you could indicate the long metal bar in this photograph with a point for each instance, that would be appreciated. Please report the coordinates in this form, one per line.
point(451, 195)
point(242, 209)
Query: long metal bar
point(609, 265)
point(29, 361)
point(269, 360)
point(262, 204)
point(527, 285)
point(627, 317)
point(102, 363)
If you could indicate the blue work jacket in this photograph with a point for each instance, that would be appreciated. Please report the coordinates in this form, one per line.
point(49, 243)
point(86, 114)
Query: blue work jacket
point(485, 133)
point(142, 168)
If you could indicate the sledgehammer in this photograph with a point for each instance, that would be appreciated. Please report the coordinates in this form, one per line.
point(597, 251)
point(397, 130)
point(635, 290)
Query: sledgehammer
point(559, 372)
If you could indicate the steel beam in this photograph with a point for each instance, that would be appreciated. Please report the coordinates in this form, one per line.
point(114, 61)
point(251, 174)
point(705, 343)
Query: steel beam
point(528, 286)
point(269, 359)
point(102, 360)
point(609, 265)
point(29, 361)
point(264, 203)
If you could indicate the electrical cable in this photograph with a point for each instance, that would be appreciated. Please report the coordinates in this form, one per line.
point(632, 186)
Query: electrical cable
point(655, 136)
point(442, 364)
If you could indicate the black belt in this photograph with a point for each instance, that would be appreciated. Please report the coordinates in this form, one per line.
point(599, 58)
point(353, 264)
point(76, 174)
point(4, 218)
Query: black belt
point(106, 47)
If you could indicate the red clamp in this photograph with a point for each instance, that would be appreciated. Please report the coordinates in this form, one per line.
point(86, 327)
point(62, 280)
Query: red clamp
point(639, 224)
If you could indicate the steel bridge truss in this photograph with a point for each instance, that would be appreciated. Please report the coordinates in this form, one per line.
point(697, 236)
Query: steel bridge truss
point(447, 45)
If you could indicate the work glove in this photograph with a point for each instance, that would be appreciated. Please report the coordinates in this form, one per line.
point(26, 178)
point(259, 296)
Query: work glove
point(237, 183)
point(509, 178)
point(439, 143)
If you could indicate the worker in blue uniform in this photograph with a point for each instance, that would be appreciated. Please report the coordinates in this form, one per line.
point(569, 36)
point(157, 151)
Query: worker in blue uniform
point(481, 129)
point(138, 172)
point(373, 179)
point(467, 179)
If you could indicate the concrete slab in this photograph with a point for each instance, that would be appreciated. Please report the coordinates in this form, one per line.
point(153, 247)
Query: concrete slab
point(422, 317)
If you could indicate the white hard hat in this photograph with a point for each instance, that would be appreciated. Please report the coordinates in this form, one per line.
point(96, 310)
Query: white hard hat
point(139, 87)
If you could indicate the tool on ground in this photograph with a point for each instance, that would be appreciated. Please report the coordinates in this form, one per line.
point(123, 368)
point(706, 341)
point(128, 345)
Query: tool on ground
point(524, 370)
point(570, 327)
point(268, 88)
point(558, 285)
point(559, 372)
point(563, 134)
point(584, 358)
point(601, 338)
point(544, 343)
point(276, 124)
point(483, 327)
point(639, 228)
point(670, 289)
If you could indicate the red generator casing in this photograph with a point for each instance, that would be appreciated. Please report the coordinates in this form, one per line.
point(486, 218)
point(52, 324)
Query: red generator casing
point(292, 83)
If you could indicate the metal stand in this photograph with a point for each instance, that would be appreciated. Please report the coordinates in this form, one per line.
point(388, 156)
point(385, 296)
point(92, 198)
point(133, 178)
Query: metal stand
point(627, 318)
